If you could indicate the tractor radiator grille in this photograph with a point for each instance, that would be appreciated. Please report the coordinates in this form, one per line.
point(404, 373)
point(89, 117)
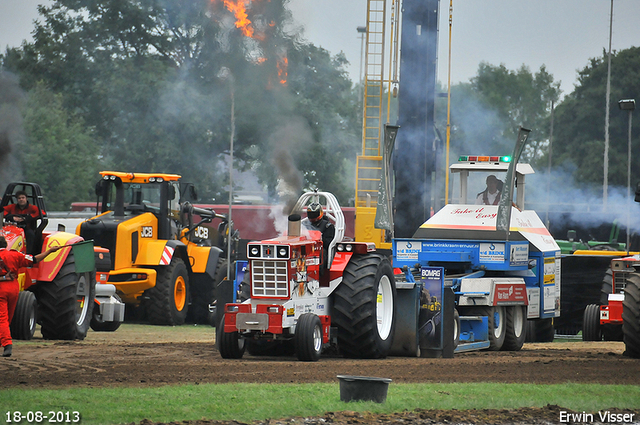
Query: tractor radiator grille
point(620, 281)
point(269, 278)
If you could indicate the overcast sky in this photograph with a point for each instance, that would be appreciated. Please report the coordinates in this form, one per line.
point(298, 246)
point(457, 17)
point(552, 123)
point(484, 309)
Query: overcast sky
point(561, 34)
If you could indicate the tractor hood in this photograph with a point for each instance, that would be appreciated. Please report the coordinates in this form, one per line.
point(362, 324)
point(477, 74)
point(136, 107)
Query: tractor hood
point(478, 222)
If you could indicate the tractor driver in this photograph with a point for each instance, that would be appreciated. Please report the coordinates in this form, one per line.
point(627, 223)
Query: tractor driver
point(24, 215)
point(319, 221)
point(491, 195)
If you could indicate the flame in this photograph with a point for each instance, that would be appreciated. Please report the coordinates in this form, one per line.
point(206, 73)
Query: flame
point(282, 70)
point(239, 10)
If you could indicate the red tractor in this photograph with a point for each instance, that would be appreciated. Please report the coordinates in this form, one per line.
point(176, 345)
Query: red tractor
point(59, 291)
point(617, 318)
point(303, 296)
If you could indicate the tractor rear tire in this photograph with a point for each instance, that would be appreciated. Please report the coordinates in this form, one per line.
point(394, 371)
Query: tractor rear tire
point(631, 316)
point(496, 318)
point(364, 307)
point(169, 299)
point(23, 324)
point(308, 338)
point(98, 325)
point(515, 331)
point(591, 329)
point(607, 287)
point(230, 344)
point(65, 305)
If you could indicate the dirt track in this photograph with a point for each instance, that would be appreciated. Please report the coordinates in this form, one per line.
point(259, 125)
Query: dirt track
point(138, 355)
point(150, 355)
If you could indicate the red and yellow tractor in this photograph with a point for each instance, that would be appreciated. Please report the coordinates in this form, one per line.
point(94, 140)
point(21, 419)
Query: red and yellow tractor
point(59, 291)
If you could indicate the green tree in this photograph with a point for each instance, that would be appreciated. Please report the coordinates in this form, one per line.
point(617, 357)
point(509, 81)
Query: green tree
point(580, 121)
point(144, 76)
point(487, 112)
point(60, 153)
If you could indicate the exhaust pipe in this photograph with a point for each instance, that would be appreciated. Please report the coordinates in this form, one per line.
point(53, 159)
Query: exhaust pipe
point(294, 225)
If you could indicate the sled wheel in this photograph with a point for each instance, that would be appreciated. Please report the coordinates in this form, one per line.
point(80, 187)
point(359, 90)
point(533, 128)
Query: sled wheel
point(230, 344)
point(456, 329)
point(515, 330)
point(308, 338)
point(497, 323)
point(631, 316)
point(65, 305)
point(168, 300)
point(98, 325)
point(363, 307)
point(591, 330)
point(23, 325)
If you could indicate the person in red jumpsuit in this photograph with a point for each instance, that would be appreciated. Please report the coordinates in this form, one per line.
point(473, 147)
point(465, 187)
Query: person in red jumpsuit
point(10, 262)
point(24, 215)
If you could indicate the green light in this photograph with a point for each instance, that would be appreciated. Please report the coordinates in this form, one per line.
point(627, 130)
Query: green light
point(463, 158)
point(505, 159)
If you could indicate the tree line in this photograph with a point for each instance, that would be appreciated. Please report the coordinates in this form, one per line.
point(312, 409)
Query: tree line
point(139, 86)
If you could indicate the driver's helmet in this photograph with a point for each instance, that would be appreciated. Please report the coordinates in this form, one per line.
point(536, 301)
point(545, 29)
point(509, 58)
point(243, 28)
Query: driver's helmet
point(314, 212)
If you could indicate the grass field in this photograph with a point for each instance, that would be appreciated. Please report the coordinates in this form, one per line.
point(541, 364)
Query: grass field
point(247, 402)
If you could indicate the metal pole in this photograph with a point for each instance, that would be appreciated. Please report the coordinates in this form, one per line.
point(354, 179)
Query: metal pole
point(446, 170)
point(549, 165)
point(629, 181)
point(233, 133)
point(605, 183)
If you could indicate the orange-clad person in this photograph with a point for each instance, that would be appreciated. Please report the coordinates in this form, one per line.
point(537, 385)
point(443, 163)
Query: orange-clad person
point(10, 262)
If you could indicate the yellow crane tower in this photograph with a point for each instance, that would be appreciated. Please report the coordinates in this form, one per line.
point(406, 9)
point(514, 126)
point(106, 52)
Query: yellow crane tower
point(370, 163)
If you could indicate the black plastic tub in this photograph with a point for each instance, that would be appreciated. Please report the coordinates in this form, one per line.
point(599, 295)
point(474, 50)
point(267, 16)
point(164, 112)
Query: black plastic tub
point(363, 388)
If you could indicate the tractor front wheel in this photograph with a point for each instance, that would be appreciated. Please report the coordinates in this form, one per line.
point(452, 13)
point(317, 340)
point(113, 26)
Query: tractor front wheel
point(308, 338)
point(99, 325)
point(364, 307)
point(65, 305)
point(631, 316)
point(591, 329)
point(23, 325)
point(169, 299)
point(230, 344)
point(516, 330)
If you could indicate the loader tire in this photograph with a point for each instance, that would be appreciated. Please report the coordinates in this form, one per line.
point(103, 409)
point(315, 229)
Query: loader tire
point(169, 299)
point(591, 329)
point(364, 307)
point(65, 305)
point(496, 318)
point(98, 325)
point(516, 328)
point(23, 324)
point(203, 293)
point(230, 344)
point(308, 338)
point(631, 316)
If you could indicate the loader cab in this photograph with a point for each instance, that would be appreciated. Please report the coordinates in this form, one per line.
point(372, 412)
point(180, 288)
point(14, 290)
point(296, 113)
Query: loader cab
point(129, 194)
point(34, 197)
point(472, 173)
